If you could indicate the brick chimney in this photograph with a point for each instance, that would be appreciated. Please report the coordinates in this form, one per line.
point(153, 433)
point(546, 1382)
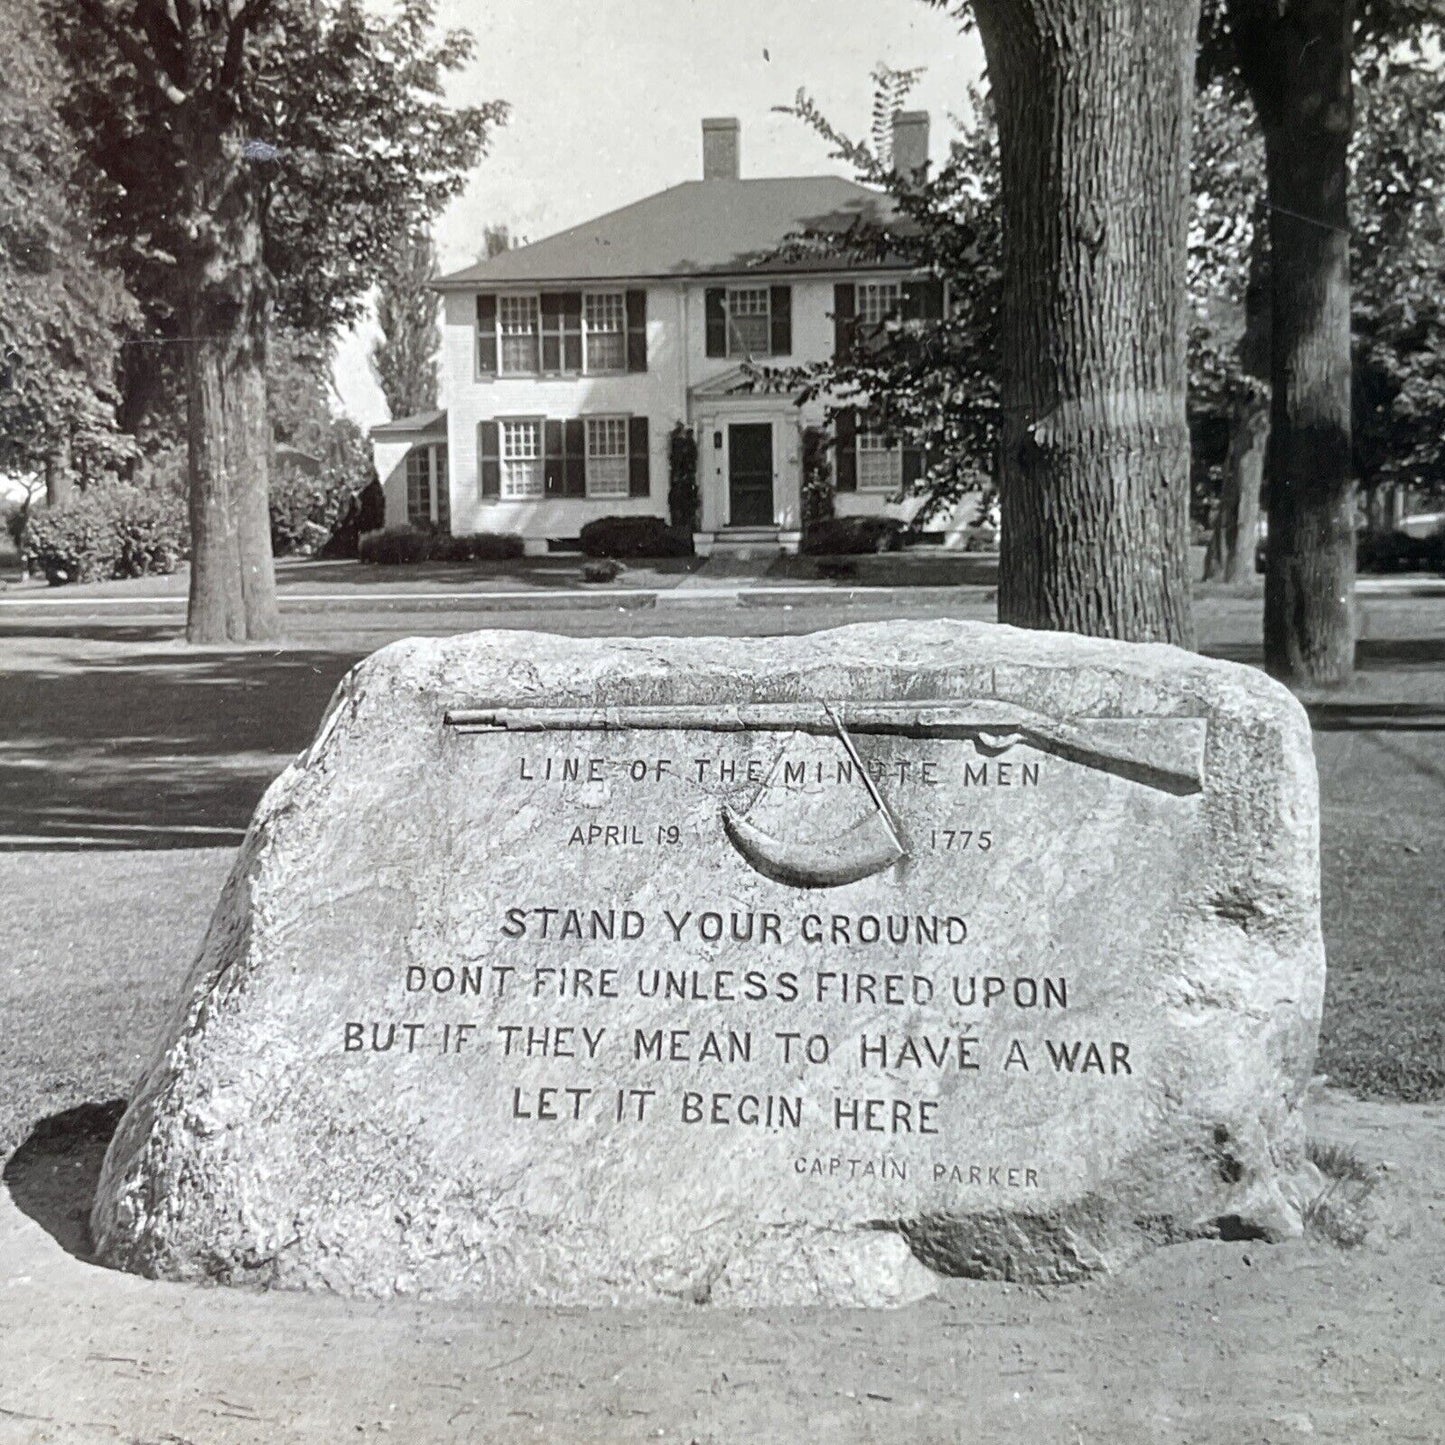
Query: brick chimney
point(721, 147)
point(910, 142)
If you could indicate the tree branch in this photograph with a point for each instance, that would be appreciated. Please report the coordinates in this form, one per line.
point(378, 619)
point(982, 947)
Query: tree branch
point(147, 66)
point(244, 18)
point(168, 41)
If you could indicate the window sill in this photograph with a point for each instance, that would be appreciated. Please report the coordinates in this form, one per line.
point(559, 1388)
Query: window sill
point(482, 378)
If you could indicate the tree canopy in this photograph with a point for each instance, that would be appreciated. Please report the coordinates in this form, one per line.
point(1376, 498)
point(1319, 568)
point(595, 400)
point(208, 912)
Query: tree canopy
point(61, 310)
point(251, 159)
point(404, 358)
point(346, 136)
point(932, 384)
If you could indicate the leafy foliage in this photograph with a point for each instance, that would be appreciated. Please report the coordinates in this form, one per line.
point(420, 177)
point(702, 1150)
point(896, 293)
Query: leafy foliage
point(111, 530)
point(308, 505)
point(345, 139)
point(1397, 262)
point(404, 359)
point(322, 460)
point(682, 491)
point(1398, 266)
point(817, 489)
point(852, 536)
point(61, 311)
point(401, 545)
point(933, 385)
point(634, 537)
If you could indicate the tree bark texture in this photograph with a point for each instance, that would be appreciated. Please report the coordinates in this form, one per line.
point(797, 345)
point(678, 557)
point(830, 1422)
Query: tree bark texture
point(1295, 56)
point(226, 316)
point(1231, 545)
point(1093, 100)
point(59, 477)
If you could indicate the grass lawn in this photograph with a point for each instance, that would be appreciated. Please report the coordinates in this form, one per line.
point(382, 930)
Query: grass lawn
point(129, 766)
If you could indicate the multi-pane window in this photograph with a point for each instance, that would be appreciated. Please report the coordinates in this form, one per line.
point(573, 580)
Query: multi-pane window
point(522, 474)
point(418, 487)
point(441, 488)
point(607, 456)
point(880, 463)
point(564, 333)
point(749, 321)
point(428, 502)
point(605, 317)
point(520, 325)
point(878, 300)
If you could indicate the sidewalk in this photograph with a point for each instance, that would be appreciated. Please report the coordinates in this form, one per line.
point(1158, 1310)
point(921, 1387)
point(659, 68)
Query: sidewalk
point(531, 584)
point(556, 583)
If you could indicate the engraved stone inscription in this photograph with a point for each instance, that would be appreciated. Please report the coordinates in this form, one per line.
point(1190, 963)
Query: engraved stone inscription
point(775, 971)
point(570, 1005)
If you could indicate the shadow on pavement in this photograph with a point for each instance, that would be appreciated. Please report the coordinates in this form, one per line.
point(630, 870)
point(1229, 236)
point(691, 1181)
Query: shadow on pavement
point(1346, 716)
point(563, 570)
point(1375, 653)
point(137, 634)
point(53, 1175)
point(153, 749)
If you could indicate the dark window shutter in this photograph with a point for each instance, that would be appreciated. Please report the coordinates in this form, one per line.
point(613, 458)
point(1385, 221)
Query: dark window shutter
point(914, 463)
point(845, 314)
point(574, 447)
point(845, 461)
point(489, 458)
point(553, 468)
point(637, 331)
point(717, 321)
point(923, 300)
point(639, 477)
point(571, 331)
point(487, 333)
point(781, 307)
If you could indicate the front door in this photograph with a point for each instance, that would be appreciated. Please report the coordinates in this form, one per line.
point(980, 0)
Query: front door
point(750, 474)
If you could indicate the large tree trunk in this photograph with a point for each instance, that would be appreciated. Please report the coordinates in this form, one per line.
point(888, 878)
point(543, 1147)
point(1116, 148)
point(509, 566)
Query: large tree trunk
point(59, 476)
point(1231, 547)
point(1295, 56)
point(233, 584)
point(1093, 110)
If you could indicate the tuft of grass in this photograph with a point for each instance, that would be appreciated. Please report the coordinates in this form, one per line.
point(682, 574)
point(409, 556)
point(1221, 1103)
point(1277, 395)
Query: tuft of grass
point(1339, 1162)
point(1340, 1213)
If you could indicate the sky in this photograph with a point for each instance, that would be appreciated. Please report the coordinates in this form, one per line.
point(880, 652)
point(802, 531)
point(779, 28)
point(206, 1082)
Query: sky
point(608, 98)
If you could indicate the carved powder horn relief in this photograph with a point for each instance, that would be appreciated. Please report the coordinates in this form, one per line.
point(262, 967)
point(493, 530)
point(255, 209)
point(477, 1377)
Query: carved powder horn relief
point(868, 847)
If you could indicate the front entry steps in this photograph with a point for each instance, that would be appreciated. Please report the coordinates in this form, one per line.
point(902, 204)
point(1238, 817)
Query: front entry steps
point(747, 543)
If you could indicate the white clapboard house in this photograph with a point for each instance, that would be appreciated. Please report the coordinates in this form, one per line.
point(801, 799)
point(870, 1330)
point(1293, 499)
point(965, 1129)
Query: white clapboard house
point(568, 362)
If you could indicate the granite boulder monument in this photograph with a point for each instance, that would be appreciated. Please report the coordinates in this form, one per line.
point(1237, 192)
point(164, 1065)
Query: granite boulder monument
point(748, 971)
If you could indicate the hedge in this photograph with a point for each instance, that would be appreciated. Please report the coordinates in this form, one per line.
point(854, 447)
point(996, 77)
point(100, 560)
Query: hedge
point(634, 537)
point(398, 545)
point(108, 531)
point(851, 536)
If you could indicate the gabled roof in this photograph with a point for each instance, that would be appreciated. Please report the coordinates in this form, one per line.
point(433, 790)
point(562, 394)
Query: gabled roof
point(424, 423)
point(699, 228)
point(749, 381)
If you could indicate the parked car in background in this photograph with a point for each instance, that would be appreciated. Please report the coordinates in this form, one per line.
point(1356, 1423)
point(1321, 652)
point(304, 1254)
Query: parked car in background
point(1417, 545)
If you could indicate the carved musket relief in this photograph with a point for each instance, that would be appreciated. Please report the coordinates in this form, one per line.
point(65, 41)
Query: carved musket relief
point(1165, 753)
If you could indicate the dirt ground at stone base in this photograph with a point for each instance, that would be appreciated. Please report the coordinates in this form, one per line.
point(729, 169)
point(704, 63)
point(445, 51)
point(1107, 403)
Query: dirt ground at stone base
point(1206, 1342)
